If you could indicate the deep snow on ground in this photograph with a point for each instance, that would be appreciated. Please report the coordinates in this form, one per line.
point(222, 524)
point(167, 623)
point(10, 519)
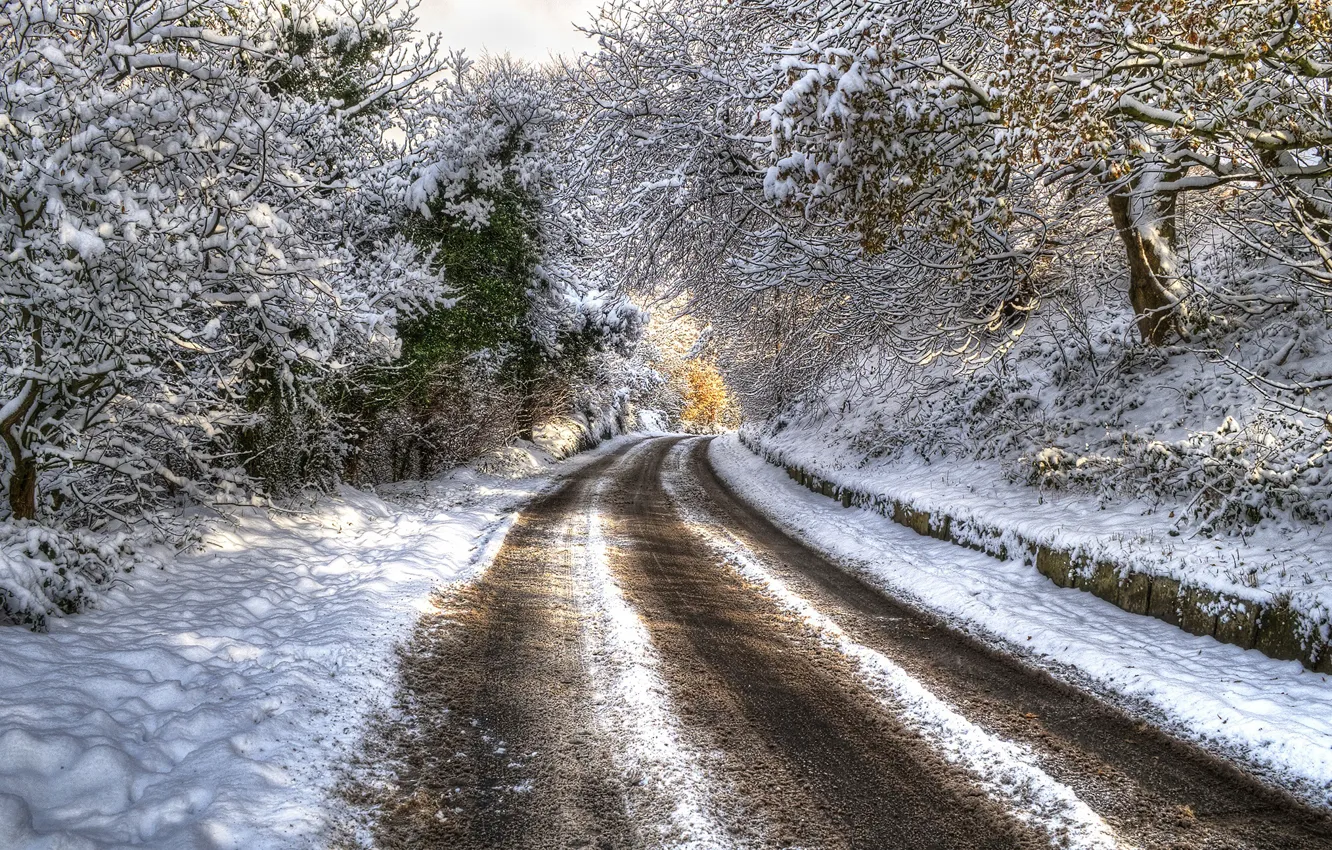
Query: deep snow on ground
point(1269, 562)
point(208, 705)
point(1276, 716)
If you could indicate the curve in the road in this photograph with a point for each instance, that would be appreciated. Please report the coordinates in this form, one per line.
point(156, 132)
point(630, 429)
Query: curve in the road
point(806, 745)
point(505, 745)
point(1157, 790)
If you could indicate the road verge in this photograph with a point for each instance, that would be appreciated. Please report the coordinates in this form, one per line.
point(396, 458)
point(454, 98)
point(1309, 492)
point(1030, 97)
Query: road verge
point(1273, 628)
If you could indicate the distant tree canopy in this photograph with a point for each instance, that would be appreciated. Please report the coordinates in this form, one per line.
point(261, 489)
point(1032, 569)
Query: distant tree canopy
point(708, 403)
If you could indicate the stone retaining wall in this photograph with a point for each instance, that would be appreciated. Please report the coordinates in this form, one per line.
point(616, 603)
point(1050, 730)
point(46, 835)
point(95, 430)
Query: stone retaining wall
point(1273, 628)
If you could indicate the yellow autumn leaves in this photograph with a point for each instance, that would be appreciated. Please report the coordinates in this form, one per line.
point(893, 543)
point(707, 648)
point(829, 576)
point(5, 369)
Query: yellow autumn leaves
point(709, 405)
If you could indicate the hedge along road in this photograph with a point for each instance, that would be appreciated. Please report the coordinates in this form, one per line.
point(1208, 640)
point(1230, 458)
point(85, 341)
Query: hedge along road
point(649, 662)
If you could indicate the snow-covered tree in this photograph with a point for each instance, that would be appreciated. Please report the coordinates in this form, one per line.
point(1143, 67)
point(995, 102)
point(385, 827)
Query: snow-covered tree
point(357, 74)
point(729, 137)
point(157, 197)
point(1155, 100)
point(530, 303)
point(944, 121)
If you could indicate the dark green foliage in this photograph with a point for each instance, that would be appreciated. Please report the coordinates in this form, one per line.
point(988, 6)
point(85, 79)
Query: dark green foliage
point(490, 271)
point(472, 373)
point(328, 64)
point(507, 347)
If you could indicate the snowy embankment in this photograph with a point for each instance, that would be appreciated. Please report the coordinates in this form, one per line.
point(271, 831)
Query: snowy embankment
point(208, 705)
point(1275, 716)
point(1271, 589)
point(1262, 566)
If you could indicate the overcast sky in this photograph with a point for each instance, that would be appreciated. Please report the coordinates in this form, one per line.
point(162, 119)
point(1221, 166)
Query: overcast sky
point(529, 29)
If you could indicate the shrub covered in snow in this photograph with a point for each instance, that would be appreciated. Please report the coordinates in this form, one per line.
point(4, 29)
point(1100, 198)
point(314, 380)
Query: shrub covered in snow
point(45, 572)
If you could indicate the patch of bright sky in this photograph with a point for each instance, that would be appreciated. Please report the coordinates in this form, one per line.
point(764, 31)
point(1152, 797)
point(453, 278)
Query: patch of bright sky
point(527, 29)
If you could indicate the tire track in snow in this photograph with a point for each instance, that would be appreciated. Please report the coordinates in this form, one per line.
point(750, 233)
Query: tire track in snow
point(669, 788)
point(498, 746)
point(1006, 771)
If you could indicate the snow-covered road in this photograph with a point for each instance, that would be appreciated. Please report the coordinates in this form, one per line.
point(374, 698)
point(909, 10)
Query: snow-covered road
point(650, 662)
point(672, 646)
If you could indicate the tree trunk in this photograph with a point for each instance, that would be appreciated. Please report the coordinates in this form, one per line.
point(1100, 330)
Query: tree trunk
point(1154, 291)
point(527, 415)
point(22, 485)
point(23, 488)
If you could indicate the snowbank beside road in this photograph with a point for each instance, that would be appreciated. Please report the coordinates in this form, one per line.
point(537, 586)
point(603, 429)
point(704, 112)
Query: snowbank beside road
point(207, 706)
point(1270, 563)
point(1276, 715)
